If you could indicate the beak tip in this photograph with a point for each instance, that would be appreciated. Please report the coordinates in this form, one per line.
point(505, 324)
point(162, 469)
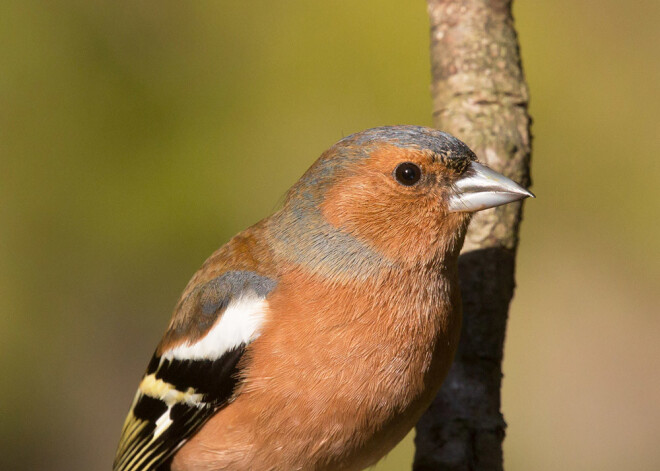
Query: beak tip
point(525, 193)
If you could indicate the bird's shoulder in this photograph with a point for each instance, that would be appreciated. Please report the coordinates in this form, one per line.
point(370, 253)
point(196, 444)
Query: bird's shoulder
point(242, 268)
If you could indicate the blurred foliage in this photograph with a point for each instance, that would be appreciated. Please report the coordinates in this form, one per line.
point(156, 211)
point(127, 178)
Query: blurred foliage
point(137, 137)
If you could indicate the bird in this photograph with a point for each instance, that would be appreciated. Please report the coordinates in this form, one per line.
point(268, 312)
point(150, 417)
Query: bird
point(315, 339)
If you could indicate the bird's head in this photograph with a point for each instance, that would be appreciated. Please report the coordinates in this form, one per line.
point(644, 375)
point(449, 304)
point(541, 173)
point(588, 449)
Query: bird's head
point(404, 192)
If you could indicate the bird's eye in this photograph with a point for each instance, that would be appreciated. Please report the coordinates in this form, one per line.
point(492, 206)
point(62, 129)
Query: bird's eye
point(407, 173)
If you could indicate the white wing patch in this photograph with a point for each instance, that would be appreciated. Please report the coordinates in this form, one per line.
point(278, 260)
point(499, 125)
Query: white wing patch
point(238, 325)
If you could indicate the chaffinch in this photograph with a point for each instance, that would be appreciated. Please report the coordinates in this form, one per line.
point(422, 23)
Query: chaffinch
point(315, 339)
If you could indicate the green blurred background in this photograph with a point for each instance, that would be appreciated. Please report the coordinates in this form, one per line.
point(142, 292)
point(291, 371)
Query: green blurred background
point(137, 137)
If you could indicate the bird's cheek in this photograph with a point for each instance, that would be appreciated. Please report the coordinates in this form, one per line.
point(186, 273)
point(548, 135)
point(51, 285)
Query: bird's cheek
point(398, 228)
point(347, 203)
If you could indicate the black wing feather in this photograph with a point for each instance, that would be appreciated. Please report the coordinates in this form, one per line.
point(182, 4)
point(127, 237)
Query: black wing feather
point(212, 382)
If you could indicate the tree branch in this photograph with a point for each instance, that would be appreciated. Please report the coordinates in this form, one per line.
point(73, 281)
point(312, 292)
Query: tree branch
point(480, 96)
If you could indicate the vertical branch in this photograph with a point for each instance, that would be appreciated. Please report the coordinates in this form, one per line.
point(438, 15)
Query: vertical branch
point(480, 96)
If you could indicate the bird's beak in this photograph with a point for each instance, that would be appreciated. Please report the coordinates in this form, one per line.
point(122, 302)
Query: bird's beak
point(481, 188)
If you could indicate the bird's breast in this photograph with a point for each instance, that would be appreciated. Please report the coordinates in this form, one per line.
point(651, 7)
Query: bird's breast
point(348, 369)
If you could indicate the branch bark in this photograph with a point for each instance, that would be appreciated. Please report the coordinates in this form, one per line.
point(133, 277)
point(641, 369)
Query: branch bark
point(480, 96)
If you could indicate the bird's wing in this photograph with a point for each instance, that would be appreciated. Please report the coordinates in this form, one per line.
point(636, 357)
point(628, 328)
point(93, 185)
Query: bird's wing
point(195, 369)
